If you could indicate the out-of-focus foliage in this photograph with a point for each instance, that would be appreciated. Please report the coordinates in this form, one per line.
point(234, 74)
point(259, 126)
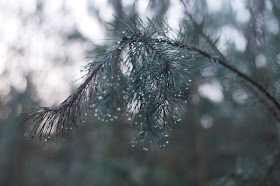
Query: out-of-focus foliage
point(226, 137)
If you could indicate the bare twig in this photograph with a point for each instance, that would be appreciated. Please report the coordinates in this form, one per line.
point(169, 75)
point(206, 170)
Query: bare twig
point(227, 66)
point(214, 47)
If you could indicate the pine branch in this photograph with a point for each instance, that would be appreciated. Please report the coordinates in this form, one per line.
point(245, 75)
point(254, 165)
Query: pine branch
point(62, 119)
point(147, 71)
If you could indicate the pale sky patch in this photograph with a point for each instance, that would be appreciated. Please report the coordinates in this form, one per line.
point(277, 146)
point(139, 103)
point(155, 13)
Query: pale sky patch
point(214, 5)
point(212, 91)
point(229, 34)
point(242, 13)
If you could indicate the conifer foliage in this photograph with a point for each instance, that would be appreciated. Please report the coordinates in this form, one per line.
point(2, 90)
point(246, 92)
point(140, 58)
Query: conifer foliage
point(145, 74)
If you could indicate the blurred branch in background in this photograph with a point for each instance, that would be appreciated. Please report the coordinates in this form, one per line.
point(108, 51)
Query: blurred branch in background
point(268, 173)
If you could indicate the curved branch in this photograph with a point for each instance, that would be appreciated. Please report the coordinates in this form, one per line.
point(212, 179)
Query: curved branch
point(214, 47)
point(226, 65)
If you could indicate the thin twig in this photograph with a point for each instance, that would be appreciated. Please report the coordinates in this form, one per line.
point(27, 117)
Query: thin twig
point(226, 65)
point(214, 47)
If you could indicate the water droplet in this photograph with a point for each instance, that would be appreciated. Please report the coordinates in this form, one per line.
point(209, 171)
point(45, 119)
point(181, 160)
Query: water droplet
point(167, 142)
point(84, 121)
point(46, 140)
point(129, 118)
point(100, 97)
point(118, 109)
point(190, 80)
point(85, 114)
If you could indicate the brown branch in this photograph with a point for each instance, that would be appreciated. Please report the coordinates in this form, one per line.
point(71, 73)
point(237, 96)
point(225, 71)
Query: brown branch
point(226, 65)
point(214, 47)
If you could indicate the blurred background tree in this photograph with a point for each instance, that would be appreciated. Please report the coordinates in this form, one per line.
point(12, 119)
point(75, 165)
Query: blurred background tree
point(226, 137)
